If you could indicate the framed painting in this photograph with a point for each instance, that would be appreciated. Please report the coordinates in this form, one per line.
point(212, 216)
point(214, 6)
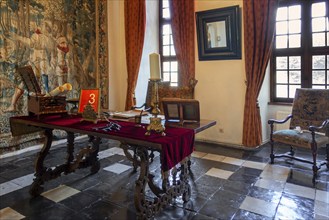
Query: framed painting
point(219, 33)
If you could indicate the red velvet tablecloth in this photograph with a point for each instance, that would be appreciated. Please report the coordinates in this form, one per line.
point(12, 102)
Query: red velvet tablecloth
point(176, 145)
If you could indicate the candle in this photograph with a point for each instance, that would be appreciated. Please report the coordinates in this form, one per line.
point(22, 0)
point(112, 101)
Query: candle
point(155, 66)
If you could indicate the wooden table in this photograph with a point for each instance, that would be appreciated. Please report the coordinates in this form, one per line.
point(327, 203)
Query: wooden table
point(87, 157)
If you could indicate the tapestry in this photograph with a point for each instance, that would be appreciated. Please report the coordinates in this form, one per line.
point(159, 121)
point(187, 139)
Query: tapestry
point(65, 41)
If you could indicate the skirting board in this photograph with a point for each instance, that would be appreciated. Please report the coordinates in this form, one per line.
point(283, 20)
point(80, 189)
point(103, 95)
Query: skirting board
point(237, 146)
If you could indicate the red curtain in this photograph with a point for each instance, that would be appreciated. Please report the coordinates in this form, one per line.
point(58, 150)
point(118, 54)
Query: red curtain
point(259, 24)
point(135, 21)
point(183, 24)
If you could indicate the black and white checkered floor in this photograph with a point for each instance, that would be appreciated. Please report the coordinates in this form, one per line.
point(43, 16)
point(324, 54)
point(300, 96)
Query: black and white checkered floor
point(226, 184)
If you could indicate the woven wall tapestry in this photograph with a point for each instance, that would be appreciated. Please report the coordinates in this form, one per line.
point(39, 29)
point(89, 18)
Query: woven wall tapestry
point(63, 40)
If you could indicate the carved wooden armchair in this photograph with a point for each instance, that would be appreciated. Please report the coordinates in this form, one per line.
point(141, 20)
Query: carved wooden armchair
point(309, 127)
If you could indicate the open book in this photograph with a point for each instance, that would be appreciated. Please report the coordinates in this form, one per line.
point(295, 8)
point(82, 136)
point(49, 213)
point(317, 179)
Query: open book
point(129, 114)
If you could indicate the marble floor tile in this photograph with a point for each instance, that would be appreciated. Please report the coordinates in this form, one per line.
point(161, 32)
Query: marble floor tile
point(271, 184)
point(259, 206)
point(105, 153)
point(8, 187)
point(284, 212)
point(321, 208)
point(301, 191)
point(10, 214)
point(24, 180)
point(234, 161)
point(214, 157)
point(278, 173)
point(60, 193)
point(117, 150)
point(198, 154)
point(223, 174)
point(255, 165)
point(322, 196)
point(117, 168)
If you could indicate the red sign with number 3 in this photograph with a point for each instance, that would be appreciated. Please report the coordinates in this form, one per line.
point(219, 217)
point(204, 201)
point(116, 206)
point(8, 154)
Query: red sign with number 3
point(90, 96)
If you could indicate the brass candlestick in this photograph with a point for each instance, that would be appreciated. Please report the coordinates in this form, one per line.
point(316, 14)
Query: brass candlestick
point(155, 122)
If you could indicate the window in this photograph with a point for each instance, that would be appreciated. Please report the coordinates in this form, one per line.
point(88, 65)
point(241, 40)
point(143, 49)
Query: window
point(169, 64)
point(301, 48)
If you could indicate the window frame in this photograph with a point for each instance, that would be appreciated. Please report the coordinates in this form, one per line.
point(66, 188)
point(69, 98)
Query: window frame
point(306, 51)
point(162, 22)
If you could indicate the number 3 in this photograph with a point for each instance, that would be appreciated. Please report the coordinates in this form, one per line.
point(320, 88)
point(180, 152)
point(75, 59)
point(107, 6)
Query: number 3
point(92, 98)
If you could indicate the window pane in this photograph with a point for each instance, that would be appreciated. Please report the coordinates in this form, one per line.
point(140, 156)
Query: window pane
point(174, 77)
point(294, 26)
point(295, 77)
point(174, 66)
point(281, 41)
point(281, 77)
point(166, 29)
point(166, 76)
point(172, 50)
point(292, 90)
point(318, 9)
point(165, 3)
point(318, 62)
point(282, 91)
point(294, 41)
point(282, 27)
point(165, 40)
point(166, 50)
point(318, 40)
point(281, 63)
point(165, 13)
point(282, 14)
point(166, 66)
point(294, 62)
point(294, 12)
point(318, 77)
point(318, 24)
point(318, 87)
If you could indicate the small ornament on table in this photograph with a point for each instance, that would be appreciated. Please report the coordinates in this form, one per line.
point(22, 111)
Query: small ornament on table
point(89, 114)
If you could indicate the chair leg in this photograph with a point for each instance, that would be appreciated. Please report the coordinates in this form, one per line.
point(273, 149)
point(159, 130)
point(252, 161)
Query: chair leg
point(272, 155)
point(314, 154)
point(292, 152)
point(327, 155)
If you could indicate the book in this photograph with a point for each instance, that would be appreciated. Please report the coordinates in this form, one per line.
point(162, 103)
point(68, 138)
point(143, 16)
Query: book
point(129, 114)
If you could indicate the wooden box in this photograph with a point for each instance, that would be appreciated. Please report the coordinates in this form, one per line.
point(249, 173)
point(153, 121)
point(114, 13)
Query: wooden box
point(38, 103)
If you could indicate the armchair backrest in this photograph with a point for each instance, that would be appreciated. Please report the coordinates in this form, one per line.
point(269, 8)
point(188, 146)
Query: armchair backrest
point(165, 91)
point(310, 107)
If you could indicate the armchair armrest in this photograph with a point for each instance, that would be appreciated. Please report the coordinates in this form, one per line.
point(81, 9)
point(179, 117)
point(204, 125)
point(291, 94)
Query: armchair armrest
point(325, 124)
point(142, 106)
point(274, 121)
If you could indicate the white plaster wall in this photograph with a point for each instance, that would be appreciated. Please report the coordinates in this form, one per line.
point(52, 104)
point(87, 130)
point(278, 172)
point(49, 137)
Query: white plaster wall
point(117, 56)
point(221, 88)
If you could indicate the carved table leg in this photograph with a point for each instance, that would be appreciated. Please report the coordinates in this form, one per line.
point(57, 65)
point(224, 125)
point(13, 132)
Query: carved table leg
point(40, 170)
point(147, 207)
point(70, 151)
point(95, 164)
